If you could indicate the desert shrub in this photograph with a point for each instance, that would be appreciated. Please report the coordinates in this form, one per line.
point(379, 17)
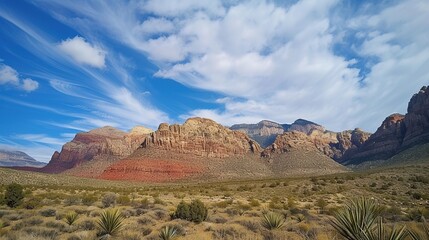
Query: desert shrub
point(87, 225)
point(254, 202)
point(71, 218)
point(72, 200)
point(144, 203)
point(110, 222)
point(227, 233)
point(321, 203)
point(56, 225)
point(27, 223)
point(157, 200)
point(272, 220)
point(32, 203)
point(250, 225)
point(167, 233)
point(88, 200)
point(2, 200)
point(14, 195)
point(194, 212)
point(40, 232)
point(48, 212)
point(109, 199)
point(223, 204)
point(124, 200)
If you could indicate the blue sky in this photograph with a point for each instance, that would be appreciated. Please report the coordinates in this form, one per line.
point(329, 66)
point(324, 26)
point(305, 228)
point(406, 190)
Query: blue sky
point(70, 66)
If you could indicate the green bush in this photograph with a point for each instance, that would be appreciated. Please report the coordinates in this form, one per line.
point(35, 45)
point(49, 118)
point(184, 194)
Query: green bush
point(88, 200)
point(194, 212)
point(14, 195)
point(124, 200)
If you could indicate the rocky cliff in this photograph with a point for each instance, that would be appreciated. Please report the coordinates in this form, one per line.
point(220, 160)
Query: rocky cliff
point(18, 159)
point(102, 143)
point(201, 137)
point(397, 132)
point(332, 144)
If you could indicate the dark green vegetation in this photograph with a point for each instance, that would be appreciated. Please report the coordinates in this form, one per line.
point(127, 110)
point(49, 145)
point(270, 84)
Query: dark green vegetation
point(289, 208)
point(13, 195)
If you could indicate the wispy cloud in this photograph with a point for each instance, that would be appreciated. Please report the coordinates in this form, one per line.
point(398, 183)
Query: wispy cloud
point(283, 64)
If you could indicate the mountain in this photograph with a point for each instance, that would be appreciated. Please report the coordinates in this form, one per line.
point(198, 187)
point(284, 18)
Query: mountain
point(18, 159)
point(203, 149)
point(397, 132)
point(332, 144)
point(90, 152)
point(265, 132)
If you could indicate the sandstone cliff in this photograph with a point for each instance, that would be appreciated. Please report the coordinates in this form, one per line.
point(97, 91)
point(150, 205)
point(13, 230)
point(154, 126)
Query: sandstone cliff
point(397, 132)
point(102, 143)
point(201, 137)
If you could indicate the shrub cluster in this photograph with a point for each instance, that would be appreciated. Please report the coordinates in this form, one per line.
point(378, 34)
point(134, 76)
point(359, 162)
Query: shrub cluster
point(194, 212)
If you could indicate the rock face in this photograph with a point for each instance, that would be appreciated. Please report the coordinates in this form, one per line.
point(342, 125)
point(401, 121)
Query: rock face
point(296, 151)
point(201, 137)
point(397, 132)
point(103, 142)
point(332, 144)
point(18, 159)
point(264, 132)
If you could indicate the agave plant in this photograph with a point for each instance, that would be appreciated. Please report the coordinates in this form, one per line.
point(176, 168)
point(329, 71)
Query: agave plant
point(71, 218)
point(272, 220)
point(360, 220)
point(110, 222)
point(168, 232)
point(416, 236)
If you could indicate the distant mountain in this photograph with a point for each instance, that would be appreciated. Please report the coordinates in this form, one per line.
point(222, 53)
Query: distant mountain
point(397, 132)
point(265, 132)
point(18, 159)
point(332, 144)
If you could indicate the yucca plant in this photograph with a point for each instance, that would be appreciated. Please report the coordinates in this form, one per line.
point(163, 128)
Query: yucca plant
point(71, 218)
point(168, 232)
point(416, 236)
point(272, 220)
point(110, 222)
point(360, 220)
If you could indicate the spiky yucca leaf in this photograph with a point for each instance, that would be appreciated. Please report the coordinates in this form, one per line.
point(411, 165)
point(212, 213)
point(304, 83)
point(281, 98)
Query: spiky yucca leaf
point(168, 233)
point(272, 220)
point(71, 218)
point(382, 233)
point(110, 222)
point(416, 236)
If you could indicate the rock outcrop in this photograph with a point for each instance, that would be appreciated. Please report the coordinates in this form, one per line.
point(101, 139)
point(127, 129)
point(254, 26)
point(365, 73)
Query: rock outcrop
point(397, 132)
point(264, 132)
point(201, 137)
point(18, 159)
point(105, 142)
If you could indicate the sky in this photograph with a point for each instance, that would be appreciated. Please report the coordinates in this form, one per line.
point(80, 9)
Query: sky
point(72, 66)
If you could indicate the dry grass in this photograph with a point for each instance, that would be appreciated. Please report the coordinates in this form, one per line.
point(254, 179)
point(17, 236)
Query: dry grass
point(235, 208)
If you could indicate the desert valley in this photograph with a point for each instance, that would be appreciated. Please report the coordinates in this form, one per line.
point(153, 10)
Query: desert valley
point(214, 119)
point(300, 173)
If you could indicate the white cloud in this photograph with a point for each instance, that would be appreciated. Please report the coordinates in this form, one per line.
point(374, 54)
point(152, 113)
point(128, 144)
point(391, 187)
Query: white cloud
point(8, 75)
point(29, 85)
point(83, 52)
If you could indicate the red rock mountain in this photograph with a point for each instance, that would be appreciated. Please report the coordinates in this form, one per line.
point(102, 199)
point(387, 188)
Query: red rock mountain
point(102, 143)
point(397, 132)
